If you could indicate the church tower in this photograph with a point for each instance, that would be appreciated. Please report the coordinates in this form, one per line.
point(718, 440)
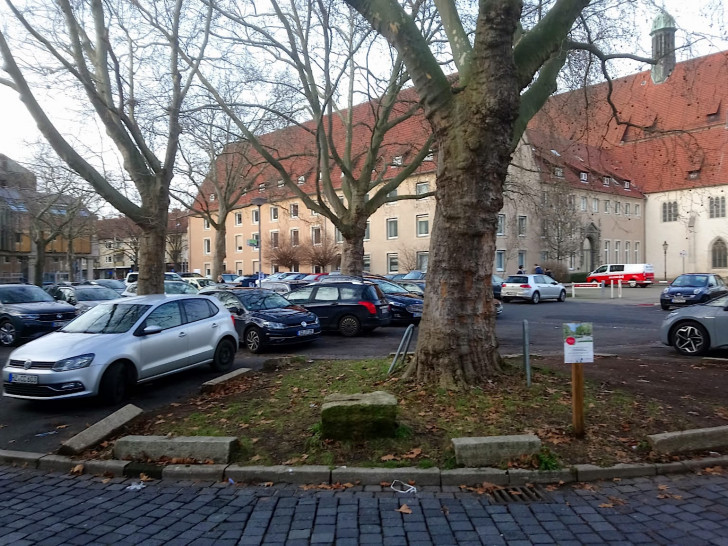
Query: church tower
point(663, 46)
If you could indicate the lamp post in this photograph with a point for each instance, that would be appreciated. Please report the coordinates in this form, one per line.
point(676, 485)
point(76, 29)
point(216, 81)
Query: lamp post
point(664, 253)
point(259, 201)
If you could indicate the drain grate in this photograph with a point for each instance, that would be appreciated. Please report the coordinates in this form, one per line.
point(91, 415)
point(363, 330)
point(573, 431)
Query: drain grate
point(521, 494)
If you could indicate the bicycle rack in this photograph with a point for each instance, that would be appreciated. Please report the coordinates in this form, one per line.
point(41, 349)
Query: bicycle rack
point(406, 339)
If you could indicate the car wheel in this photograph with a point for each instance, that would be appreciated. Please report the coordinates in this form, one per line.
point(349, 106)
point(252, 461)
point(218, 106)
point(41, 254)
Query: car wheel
point(562, 296)
point(690, 339)
point(665, 306)
point(349, 326)
point(114, 384)
point(506, 300)
point(254, 340)
point(224, 356)
point(535, 298)
point(632, 283)
point(8, 334)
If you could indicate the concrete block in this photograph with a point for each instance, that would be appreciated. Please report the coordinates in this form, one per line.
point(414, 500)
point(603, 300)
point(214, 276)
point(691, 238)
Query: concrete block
point(20, 458)
point(362, 415)
point(58, 463)
point(689, 440)
point(706, 462)
point(489, 450)
point(474, 476)
point(110, 467)
point(671, 468)
point(218, 449)
point(300, 475)
point(374, 476)
point(590, 472)
point(519, 476)
point(207, 472)
point(100, 431)
point(213, 384)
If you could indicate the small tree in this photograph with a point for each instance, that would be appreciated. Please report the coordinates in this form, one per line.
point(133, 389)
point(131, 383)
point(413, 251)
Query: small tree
point(323, 255)
point(284, 253)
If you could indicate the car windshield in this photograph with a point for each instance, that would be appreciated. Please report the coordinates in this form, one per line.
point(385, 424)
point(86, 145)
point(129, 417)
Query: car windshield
point(390, 287)
point(311, 277)
point(518, 279)
point(107, 318)
point(205, 282)
point(722, 301)
point(110, 283)
point(416, 275)
point(24, 294)
point(258, 300)
point(691, 280)
point(96, 293)
point(178, 287)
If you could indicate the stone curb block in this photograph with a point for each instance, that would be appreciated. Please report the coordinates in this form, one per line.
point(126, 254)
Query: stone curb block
point(590, 472)
point(57, 463)
point(699, 464)
point(375, 476)
point(213, 472)
point(474, 476)
point(314, 474)
point(689, 440)
point(517, 476)
point(20, 458)
point(213, 384)
point(100, 430)
point(218, 449)
point(486, 450)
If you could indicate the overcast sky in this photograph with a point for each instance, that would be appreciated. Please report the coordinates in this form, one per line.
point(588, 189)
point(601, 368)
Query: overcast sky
point(18, 131)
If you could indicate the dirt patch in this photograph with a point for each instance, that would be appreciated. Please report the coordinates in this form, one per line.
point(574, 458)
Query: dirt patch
point(276, 415)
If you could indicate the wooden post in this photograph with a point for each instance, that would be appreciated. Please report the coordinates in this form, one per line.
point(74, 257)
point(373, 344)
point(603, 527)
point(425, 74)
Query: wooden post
point(577, 398)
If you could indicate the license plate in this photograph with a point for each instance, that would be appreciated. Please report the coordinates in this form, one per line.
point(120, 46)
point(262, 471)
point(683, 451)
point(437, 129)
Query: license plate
point(23, 378)
point(678, 300)
point(59, 324)
point(305, 332)
point(415, 315)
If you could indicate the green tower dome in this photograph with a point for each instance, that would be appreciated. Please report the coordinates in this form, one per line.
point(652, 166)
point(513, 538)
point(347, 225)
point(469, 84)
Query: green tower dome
point(663, 21)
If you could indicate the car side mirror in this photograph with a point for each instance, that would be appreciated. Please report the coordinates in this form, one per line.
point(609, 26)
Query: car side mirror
point(235, 310)
point(72, 300)
point(151, 329)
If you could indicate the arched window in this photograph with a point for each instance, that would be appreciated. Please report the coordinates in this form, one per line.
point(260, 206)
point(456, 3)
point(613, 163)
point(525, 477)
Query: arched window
point(719, 254)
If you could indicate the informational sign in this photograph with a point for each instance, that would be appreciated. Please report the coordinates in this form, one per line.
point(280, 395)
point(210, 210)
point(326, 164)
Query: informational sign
point(578, 342)
point(253, 242)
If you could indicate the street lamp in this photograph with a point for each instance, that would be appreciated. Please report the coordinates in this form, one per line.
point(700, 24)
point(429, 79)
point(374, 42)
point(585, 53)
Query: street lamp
point(664, 252)
point(259, 201)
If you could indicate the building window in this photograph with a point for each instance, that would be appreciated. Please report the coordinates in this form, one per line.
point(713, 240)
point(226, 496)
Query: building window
point(238, 218)
point(397, 161)
point(626, 209)
point(558, 172)
point(261, 188)
point(274, 214)
point(606, 180)
point(595, 205)
point(391, 228)
point(607, 204)
point(719, 254)
point(206, 247)
point(430, 156)
point(109, 245)
point(584, 177)
point(626, 252)
point(669, 211)
point(627, 185)
point(617, 250)
point(544, 198)
point(367, 262)
point(316, 235)
point(294, 237)
point(422, 188)
point(607, 250)
point(693, 175)
point(208, 269)
point(255, 238)
point(522, 258)
point(423, 225)
point(294, 210)
point(422, 260)
point(206, 224)
point(500, 260)
point(255, 216)
point(392, 194)
point(637, 214)
point(338, 237)
point(239, 243)
point(521, 226)
point(584, 204)
point(617, 207)
point(301, 180)
point(717, 207)
point(108, 259)
point(392, 263)
point(366, 232)
point(280, 183)
point(637, 257)
point(501, 229)
point(274, 239)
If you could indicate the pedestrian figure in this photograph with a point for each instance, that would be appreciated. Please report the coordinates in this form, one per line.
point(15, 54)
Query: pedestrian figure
point(537, 269)
point(520, 270)
point(548, 272)
point(220, 279)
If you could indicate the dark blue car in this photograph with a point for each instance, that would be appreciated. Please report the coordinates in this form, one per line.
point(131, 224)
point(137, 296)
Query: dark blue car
point(692, 288)
point(264, 318)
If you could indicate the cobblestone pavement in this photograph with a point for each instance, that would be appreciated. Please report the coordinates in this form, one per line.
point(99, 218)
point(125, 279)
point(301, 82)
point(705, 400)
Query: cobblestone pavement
point(46, 508)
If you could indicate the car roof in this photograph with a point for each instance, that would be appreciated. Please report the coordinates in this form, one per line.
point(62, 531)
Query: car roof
point(155, 298)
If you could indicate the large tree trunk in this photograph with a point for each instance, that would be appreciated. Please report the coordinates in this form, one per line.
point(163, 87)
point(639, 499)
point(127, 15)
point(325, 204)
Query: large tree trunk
point(153, 240)
point(220, 253)
point(352, 252)
point(39, 266)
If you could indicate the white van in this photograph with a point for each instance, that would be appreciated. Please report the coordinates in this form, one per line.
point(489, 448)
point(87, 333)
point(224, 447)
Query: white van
point(631, 274)
point(168, 276)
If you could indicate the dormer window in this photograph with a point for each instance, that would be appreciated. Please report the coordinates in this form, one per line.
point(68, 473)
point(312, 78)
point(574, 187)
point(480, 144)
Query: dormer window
point(397, 161)
point(261, 188)
point(430, 156)
point(693, 175)
point(212, 197)
point(606, 180)
point(584, 177)
point(280, 183)
point(626, 185)
point(558, 172)
point(301, 180)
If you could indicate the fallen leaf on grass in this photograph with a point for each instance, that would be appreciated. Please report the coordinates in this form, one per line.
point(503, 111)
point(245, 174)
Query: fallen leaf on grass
point(404, 509)
point(389, 457)
point(256, 458)
point(412, 454)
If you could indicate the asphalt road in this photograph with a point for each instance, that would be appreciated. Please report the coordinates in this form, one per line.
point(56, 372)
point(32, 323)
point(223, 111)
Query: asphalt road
point(623, 326)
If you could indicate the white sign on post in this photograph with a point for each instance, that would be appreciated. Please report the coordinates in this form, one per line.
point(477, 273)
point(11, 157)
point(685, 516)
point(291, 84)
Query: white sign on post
point(578, 342)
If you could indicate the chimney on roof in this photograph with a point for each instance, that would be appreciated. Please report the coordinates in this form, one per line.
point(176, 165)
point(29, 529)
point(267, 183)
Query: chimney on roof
point(663, 46)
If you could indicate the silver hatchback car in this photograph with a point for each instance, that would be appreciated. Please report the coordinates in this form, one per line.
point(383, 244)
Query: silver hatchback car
point(115, 345)
point(533, 288)
point(694, 330)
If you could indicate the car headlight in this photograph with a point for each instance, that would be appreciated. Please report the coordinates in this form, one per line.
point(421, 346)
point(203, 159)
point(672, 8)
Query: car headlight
point(73, 363)
point(315, 319)
point(27, 316)
point(665, 290)
point(274, 325)
point(697, 291)
point(415, 308)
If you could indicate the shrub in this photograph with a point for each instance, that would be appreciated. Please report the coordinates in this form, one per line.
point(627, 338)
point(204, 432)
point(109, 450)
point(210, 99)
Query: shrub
point(579, 276)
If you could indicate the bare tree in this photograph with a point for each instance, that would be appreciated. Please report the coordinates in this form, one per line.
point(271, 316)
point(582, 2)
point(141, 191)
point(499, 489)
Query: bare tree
point(562, 227)
point(283, 252)
point(120, 61)
point(323, 255)
point(177, 238)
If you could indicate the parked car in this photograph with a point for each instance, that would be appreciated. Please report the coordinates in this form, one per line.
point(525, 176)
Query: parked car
point(263, 318)
point(170, 287)
point(405, 307)
point(632, 274)
point(134, 277)
point(200, 282)
point(413, 287)
point(497, 283)
point(533, 288)
point(692, 288)
point(350, 307)
point(82, 296)
point(282, 287)
point(191, 275)
point(696, 329)
point(246, 280)
point(314, 277)
point(27, 312)
point(114, 284)
point(414, 275)
point(119, 343)
point(395, 276)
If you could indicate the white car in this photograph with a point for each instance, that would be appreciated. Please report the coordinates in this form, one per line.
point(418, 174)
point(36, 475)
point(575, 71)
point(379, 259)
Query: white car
point(120, 343)
point(170, 287)
point(168, 276)
point(533, 288)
